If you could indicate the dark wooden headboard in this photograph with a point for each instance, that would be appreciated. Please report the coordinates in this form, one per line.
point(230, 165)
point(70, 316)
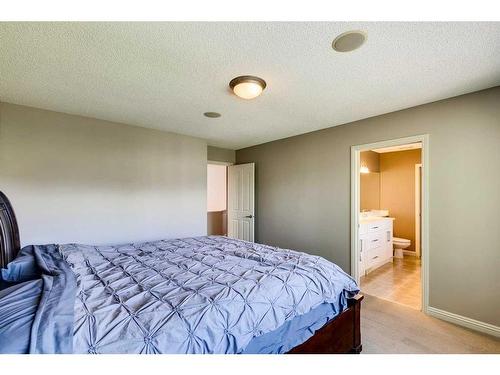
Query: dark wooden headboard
point(9, 232)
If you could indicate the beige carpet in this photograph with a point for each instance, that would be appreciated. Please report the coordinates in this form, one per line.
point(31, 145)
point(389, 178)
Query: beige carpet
point(389, 328)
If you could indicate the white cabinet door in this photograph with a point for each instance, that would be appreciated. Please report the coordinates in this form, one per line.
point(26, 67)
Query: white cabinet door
point(240, 201)
point(376, 244)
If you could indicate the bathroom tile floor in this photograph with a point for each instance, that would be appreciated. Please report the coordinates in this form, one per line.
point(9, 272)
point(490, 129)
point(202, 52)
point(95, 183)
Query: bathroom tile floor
point(398, 282)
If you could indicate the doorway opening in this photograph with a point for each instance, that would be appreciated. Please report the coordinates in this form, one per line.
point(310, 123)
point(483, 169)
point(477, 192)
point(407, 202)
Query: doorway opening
point(389, 222)
point(217, 199)
point(231, 200)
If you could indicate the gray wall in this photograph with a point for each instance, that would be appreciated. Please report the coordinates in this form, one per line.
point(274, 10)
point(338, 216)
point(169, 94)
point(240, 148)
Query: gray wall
point(76, 179)
point(303, 194)
point(221, 154)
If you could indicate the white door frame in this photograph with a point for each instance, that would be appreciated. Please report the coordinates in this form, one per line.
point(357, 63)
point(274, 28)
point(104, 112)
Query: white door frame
point(355, 206)
point(418, 205)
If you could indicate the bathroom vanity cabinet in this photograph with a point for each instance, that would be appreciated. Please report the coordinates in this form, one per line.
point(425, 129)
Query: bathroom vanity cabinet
point(375, 236)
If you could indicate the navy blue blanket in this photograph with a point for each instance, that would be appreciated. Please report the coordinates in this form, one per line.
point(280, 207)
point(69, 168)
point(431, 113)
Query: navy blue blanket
point(193, 295)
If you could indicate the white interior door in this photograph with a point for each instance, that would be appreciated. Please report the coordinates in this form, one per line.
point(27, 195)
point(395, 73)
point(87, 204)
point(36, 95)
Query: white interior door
point(240, 201)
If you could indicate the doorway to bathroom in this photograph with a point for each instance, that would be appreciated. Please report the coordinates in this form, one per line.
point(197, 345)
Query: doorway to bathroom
point(389, 223)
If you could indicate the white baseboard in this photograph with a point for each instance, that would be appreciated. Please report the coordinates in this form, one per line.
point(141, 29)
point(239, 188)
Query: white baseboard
point(460, 320)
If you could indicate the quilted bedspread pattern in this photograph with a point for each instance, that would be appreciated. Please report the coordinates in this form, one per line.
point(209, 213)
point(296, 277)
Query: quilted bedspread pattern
point(196, 295)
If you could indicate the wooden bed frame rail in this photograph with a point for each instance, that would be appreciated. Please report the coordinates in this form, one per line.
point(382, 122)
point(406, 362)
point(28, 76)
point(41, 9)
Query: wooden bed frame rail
point(340, 336)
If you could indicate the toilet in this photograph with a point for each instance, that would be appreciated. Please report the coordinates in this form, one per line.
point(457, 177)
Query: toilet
point(399, 244)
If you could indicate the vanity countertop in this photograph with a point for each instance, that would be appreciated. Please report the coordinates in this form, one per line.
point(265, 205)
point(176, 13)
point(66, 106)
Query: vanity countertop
point(371, 219)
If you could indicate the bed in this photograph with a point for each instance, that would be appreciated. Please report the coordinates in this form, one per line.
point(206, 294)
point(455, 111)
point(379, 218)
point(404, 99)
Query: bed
point(207, 294)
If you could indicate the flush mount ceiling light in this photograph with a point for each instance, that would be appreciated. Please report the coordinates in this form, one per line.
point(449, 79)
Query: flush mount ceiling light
point(349, 41)
point(212, 114)
point(247, 87)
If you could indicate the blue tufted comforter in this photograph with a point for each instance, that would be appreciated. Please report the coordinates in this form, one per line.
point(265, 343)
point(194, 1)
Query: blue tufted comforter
point(193, 295)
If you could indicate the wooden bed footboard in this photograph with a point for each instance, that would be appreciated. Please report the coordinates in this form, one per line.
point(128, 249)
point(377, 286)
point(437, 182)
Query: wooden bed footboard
point(341, 335)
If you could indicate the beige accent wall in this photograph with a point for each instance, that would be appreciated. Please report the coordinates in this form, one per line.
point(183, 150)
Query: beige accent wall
point(77, 179)
point(216, 187)
point(216, 199)
point(397, 190)
point(303, 194)
point(217, 223)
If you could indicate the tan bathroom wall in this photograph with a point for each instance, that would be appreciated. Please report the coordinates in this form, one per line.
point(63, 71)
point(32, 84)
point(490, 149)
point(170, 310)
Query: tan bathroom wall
point(370, 182)
point(397, 190)
point(370, 159)
point(370, 191)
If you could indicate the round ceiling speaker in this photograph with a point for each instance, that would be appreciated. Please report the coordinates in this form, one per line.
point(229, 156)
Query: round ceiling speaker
point(349, 41)
point(212, 114)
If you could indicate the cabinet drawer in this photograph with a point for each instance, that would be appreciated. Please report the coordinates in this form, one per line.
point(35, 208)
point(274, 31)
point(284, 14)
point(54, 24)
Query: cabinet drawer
point(379, 226)
point(377, 256)
point(374, 240)
point(373, 256)
point(375, 226)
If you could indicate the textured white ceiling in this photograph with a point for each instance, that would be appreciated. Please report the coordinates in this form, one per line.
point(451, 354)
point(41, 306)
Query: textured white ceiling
point(165, 75)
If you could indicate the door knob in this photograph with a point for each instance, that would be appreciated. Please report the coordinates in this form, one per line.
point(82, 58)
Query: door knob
point(249, 216)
